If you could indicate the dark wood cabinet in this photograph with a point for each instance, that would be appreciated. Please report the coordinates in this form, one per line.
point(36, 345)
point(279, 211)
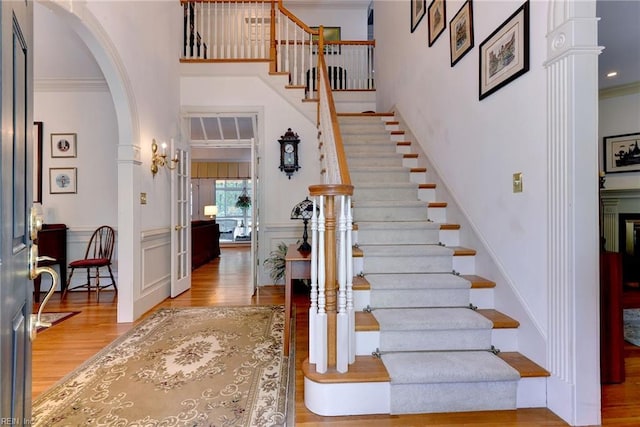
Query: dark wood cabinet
point(52, 242)
point(205, 242)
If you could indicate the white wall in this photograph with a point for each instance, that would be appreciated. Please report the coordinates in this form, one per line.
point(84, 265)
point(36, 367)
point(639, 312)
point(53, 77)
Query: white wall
point(476, 146)
point(276, 193)
point(620, 115)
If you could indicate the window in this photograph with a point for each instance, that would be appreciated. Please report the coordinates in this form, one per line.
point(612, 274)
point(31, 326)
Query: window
point(227, 193)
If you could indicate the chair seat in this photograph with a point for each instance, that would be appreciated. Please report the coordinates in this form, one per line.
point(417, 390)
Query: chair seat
point(90, 262)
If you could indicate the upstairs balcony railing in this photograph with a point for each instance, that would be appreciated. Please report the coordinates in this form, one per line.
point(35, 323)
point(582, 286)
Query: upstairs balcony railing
point(264, 30)
point(255, 30)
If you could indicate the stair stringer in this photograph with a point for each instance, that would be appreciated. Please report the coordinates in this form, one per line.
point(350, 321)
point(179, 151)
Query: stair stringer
point(531, 392)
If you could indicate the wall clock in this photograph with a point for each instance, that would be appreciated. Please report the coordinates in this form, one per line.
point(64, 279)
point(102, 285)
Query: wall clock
point(289, 152)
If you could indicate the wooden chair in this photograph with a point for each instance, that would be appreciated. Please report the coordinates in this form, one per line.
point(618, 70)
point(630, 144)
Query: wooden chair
point(97, 256)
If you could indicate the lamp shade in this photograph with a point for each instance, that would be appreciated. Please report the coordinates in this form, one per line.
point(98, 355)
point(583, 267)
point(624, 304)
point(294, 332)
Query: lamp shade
point(210, 210)
point(303, 210)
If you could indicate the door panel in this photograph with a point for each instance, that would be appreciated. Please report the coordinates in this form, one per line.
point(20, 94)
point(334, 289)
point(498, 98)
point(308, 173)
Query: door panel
point(15, 196)
point(181, 220)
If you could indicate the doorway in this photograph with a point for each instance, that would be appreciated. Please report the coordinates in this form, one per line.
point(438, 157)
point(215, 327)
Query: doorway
point(225, 174)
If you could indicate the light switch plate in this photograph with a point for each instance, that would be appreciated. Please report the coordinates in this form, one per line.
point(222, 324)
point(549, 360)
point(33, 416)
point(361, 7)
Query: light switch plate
point(143, 198)
point(517, 182)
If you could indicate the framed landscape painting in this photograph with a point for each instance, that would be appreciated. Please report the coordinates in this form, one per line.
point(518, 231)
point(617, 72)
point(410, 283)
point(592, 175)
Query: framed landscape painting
point(504, 55)
point(622, 153)
point(461, 32)
point(437, 20)
point(418, 8)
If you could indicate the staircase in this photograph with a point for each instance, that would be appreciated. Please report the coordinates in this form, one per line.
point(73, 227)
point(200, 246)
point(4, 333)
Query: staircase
point(422, 343)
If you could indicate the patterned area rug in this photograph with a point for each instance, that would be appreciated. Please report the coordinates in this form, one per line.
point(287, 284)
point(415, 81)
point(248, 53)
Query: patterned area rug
point(55, 318)
point(631, 319)
point(211, 366)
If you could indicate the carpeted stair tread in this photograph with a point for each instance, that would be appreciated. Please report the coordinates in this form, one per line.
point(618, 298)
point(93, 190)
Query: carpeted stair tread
point(413, 281)
point(447, 367)
point(424, 319)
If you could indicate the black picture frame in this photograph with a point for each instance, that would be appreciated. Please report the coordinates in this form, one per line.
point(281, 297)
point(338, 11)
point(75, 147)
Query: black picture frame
point(621, 153)
point(437, 20)
point(461, 32)
point(508, 43)
point(418, 10)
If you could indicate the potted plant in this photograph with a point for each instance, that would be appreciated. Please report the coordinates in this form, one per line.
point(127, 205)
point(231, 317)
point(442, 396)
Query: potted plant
point(275, 262)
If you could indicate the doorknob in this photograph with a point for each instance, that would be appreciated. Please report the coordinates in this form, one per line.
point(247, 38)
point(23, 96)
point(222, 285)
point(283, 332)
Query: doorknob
point(178, 227)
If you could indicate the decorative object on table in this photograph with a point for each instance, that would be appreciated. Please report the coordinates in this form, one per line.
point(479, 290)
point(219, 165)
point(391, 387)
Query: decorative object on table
point(504, 55)
point(437, 20)
point(303, 211)
point(418, 8)
point(289, 152)
point(461, 32)
point(63, 145)
point(198, 365)
point(621, 153)
point(211, 211)
point(63, 181)
point(159, 160)
point(276, 262)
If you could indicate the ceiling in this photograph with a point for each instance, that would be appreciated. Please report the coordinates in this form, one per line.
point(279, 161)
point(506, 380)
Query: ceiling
point(619, 34)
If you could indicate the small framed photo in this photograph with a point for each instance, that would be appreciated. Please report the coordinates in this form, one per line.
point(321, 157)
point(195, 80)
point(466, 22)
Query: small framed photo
point(461, 32)
point(63, 145)
point(437, 20)
point(504, 55)
point(622, 153)
point(418, 9)
point(63, 181)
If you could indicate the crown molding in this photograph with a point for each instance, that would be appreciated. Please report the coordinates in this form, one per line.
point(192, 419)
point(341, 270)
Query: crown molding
point(70, 85)
point(622, 90)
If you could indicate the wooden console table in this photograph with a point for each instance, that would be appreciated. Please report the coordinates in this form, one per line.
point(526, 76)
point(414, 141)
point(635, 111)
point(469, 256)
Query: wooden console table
point(297, 266)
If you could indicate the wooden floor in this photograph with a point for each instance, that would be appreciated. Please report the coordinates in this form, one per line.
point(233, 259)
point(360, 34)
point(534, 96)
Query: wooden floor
point(227, 281)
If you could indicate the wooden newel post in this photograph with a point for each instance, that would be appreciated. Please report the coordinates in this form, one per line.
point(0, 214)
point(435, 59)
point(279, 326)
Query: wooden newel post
point(330, 271)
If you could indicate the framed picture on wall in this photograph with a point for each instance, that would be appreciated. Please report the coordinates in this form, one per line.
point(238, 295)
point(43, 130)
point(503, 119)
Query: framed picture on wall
point(461, 32)
point(329, 34)
point(622, 153)
point(504, 55)
point(437, 19)
point(418, 9)
point(63, 181)
point(63, 145)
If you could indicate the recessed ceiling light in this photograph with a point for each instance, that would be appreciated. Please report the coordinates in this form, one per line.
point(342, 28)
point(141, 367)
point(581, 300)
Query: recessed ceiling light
point(612, 74)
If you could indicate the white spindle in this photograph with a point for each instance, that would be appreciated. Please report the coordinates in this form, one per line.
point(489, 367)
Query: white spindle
point(342, 321)
point(313, 296)
point(321, 321)
point(349, 263)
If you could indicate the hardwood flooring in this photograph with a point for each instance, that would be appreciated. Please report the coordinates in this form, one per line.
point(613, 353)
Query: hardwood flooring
point(227, 281)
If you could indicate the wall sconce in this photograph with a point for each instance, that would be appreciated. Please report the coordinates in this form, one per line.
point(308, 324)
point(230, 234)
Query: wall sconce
point(211, 211)
point(159, 160)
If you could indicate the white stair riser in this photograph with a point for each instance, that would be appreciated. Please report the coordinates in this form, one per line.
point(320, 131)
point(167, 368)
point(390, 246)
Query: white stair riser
point(482, 298)
point(332, 399)
point(505, 339)
point(367, 342)
point(427, 194)
point(418, 177)
point(361, 299)
point(450, 237)
point(437, 214)
point(532, 392)
point(403, 149)
point(410, 162)
point(464, 264)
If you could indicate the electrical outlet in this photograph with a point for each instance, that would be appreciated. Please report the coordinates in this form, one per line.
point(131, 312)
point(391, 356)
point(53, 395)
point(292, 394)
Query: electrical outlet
point(517, 182)
point(143, 198)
